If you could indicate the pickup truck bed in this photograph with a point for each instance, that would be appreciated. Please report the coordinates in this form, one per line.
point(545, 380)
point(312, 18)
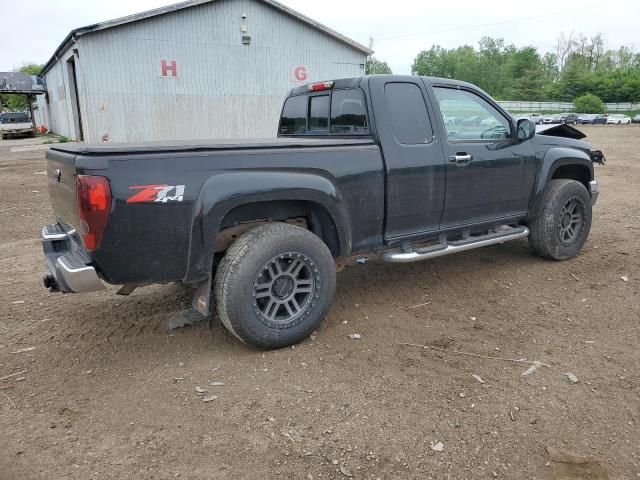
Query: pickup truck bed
point(214, 175)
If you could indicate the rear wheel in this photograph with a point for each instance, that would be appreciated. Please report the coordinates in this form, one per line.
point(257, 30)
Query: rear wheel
point(275, 285)
point(562, 223)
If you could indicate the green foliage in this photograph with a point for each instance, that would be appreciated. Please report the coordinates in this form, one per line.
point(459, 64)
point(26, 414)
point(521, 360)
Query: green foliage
point(63, 139)
point(31, 68)
point(588, 103)
point(508, 72)
point(17, 102)
point(376, 67)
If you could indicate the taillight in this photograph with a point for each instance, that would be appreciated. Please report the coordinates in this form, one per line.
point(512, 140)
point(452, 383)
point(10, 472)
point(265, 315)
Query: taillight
point(94, 205)
point(319, 87)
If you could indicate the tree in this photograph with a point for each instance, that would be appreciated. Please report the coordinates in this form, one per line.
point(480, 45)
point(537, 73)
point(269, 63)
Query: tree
point(376, 67)
point(572, 79)
point(579, 65)
point(18, 102)
point(31, 68)
point(564, 47)
point(588, 103)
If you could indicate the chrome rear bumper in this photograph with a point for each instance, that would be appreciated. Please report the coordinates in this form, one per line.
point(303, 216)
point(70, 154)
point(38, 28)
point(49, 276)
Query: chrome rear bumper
point(68, 262)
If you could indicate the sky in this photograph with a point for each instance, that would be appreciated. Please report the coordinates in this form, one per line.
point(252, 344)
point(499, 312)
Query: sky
point(32, 30)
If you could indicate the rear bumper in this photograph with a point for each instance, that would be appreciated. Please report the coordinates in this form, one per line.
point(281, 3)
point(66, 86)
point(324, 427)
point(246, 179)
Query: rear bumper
point(16, 132)
point(68, 262)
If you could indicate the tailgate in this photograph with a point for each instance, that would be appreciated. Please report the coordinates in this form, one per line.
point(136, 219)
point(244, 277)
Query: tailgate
point(61, 181)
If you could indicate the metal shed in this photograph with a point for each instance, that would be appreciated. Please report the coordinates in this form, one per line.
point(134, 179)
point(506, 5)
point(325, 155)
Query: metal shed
point(197, 69)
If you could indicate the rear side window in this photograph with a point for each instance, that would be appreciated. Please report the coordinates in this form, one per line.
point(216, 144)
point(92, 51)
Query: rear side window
point(339, 112)
point(294, 116)
point(348, 113)
point(408, 112)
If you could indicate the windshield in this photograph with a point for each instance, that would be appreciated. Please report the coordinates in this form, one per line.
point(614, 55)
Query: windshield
point(14, 118)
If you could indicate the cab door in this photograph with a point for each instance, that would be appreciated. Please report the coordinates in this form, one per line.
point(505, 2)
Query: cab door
point(490, 175)
point(414, 161)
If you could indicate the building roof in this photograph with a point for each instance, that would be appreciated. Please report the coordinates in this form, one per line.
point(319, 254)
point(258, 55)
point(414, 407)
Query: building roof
point(96, 27)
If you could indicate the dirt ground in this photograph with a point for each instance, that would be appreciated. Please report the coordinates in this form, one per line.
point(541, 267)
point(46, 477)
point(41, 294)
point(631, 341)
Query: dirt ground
point(107, 392)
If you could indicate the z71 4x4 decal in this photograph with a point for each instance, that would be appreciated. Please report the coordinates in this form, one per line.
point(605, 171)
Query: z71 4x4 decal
point(157, 193)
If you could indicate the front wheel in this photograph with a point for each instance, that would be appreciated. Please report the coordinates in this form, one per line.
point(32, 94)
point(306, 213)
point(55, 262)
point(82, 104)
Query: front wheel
point(275, 285)
point(562, 222)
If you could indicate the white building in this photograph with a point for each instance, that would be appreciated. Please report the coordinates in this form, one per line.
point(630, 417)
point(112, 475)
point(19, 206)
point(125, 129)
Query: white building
point(198, 69)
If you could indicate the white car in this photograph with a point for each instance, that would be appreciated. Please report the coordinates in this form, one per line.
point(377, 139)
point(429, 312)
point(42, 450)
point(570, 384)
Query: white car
point(15, 124)
point(555, 118)
point(618, 119)
point(536, 118)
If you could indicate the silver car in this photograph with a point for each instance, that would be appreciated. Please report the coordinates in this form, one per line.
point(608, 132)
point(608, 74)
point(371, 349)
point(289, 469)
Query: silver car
point(15, 124)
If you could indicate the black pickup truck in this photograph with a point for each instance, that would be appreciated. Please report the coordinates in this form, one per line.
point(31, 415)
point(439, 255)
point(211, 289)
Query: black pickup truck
point(360, 166)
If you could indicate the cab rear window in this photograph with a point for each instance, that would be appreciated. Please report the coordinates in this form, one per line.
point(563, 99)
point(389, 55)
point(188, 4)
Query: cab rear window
point(339, 112)
point(294, 116)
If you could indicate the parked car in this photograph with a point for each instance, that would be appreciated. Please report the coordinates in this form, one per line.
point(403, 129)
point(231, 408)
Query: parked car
point(473, 121)
point(569, 118)
point(15, 124)
point(617, 119)
point(594, 119)
point(453, 121)
point(636, 119)
point(553, 118)
point(258, 227)
point(536, 118)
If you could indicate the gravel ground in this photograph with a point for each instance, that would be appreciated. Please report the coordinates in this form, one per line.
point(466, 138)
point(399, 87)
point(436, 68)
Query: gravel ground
point(106, 392)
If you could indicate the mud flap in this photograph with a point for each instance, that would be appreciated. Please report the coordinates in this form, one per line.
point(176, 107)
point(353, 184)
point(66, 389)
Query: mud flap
point(202, 298)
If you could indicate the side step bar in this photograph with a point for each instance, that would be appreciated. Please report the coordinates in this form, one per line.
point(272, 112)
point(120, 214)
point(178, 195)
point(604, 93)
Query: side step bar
point(456, 246)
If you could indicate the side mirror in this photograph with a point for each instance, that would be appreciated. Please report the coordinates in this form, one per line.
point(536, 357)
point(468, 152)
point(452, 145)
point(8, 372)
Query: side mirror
point(526, 129)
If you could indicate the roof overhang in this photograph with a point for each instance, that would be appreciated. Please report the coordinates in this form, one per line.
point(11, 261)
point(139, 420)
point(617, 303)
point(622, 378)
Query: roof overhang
point(70, 39)
point(22, 83)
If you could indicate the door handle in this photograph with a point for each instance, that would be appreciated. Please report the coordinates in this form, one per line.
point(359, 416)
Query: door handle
point(460, 158)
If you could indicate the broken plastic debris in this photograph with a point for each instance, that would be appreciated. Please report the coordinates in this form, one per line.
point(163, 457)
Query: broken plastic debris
point(438, 447)
point(571, 377)
point(536, 365)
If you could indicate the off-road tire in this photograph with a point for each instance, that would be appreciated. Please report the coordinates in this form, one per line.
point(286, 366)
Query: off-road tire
point(547, 238)
point(249, 261)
